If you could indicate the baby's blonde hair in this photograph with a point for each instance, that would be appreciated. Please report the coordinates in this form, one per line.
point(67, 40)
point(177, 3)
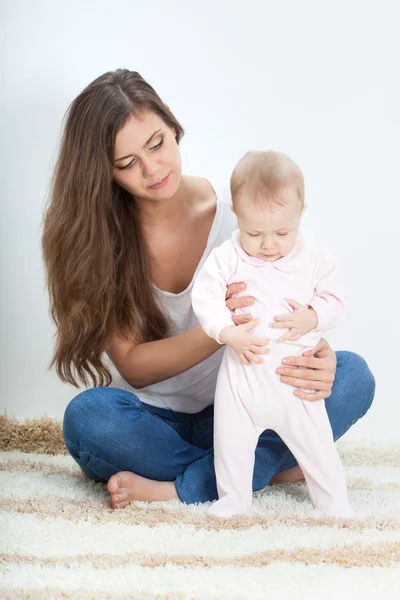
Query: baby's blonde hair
point(264, 177)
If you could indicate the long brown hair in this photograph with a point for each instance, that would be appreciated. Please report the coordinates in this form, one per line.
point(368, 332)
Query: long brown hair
point(95, 256)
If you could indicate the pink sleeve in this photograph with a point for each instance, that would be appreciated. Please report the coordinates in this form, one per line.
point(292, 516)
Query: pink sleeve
point(328, 299)
point(209, 292)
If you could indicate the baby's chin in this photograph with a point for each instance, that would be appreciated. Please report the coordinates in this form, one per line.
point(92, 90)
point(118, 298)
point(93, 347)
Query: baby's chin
point(271, 258)
point(266, 258)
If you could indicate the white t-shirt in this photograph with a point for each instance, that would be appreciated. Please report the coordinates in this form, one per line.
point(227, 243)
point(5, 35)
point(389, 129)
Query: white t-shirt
point(191, 391)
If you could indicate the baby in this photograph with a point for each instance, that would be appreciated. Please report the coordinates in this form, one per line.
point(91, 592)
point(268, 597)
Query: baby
point(296, 287)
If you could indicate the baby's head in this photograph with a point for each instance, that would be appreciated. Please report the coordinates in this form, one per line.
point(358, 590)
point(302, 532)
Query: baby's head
point(268, 200)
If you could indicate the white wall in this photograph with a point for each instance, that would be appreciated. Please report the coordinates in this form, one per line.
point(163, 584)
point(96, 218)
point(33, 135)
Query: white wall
point(317, 80)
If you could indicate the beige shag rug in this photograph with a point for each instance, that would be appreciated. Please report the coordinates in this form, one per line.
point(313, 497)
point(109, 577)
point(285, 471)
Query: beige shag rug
point(60, 538)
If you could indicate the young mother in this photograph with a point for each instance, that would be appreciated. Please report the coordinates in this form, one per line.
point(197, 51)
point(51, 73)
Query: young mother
point(124, 236)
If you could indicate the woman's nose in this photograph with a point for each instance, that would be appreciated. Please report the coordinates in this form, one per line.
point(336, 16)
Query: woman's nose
point(149, 167)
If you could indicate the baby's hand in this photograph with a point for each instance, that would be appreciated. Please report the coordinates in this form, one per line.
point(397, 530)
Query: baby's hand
point(241, 341)
point(301, 321)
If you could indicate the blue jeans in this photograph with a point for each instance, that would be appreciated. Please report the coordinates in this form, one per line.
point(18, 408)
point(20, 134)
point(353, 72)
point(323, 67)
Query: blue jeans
point(107, 430)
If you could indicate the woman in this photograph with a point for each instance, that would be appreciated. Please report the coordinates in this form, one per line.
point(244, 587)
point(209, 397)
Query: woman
point(124, 236)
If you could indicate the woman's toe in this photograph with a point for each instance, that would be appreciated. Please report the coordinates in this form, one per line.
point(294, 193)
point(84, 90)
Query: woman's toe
point(114, 483)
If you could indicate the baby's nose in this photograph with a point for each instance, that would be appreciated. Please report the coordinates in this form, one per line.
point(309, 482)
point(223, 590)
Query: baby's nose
point(266, 244)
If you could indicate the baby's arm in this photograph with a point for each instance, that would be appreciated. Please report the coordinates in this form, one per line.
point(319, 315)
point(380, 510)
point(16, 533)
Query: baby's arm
point(328, 299)
point(209, 292)
point(325, 309)
point(208, 301)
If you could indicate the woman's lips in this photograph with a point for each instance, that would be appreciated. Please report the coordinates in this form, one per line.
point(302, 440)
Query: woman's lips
point(161, 183)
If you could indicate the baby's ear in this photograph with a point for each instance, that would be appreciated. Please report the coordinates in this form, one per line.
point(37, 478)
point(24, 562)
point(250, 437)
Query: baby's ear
point(305, 206)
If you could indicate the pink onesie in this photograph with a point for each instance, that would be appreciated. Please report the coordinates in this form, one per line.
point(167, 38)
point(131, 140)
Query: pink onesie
point(251, 398)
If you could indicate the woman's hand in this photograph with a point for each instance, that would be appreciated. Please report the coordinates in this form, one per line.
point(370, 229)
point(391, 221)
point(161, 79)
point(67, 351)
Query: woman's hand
point(315, 371)
point(233, 303)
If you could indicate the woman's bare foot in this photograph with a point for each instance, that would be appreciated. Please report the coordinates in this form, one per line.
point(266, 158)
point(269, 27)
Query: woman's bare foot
point(125, 487)
point(292, 475)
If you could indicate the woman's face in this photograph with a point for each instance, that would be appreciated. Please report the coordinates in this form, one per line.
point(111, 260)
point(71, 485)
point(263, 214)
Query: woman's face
point(147, 161)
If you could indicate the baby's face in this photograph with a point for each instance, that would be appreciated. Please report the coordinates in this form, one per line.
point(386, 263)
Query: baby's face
point(269, 232)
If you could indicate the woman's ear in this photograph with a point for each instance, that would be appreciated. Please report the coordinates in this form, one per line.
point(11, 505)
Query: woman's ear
point(233, 209)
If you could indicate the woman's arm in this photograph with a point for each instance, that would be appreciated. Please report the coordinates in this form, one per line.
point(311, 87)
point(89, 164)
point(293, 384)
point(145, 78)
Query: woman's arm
point(144, 363)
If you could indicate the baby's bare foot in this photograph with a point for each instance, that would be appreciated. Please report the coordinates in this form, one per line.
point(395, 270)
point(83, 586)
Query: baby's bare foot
point(126, 486)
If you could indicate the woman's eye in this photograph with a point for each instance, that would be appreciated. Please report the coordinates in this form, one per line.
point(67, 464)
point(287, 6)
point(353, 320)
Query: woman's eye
point(157, 146)
point(128, 165)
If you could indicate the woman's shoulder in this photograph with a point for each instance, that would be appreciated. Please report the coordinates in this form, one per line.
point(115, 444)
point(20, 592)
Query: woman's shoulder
point(206, 190)
point(215, 196)
point(225, 218)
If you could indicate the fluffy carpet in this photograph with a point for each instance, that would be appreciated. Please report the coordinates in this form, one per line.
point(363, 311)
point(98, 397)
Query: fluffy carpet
point(60, 538)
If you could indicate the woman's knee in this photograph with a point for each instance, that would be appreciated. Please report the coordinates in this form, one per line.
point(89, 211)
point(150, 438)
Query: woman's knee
point(358, 378)
point(87, 413)
point(76, 419)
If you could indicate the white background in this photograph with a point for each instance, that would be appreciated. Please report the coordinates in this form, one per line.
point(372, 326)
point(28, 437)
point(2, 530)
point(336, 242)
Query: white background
point(318, 80)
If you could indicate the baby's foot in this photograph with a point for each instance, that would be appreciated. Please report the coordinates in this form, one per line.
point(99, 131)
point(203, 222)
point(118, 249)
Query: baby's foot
point(226, 508)
point(125, 487)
